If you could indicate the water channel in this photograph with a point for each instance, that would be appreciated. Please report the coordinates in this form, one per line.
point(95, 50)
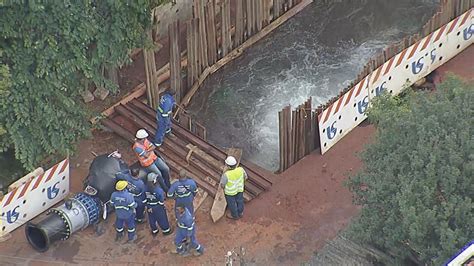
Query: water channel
point(317, 53)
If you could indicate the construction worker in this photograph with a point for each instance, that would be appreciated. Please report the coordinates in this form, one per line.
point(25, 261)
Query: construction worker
point(183, 191)
point(144, 150)
point(136, 186)
point(155, 201)
point(124, 205)
point(186, 233)
point(163, 115)
point(233, 183)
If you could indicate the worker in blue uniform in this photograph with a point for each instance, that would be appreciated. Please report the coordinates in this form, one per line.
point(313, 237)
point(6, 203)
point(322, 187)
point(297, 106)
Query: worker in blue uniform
point(136, 186)
point(155, 201)
point(163, 115)
point(186, 234)
point(183, 191)
point(124, 205)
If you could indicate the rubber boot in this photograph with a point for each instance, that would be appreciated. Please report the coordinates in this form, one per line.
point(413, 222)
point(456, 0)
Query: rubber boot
point(169, 232)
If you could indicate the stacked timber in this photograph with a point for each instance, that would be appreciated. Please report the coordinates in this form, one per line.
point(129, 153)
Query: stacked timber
point(185, 150)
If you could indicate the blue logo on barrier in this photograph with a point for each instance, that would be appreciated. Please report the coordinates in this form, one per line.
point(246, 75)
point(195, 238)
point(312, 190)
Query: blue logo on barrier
point(53, 191)
point(417, 66)
point(468, 32)
point(380, 89)
point(331, 131)
point(433, 55)
point(362, 105)
point(12, 215)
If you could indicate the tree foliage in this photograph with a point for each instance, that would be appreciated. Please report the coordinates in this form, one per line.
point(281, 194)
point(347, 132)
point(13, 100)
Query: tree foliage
point(417, 189)
point(51, 49)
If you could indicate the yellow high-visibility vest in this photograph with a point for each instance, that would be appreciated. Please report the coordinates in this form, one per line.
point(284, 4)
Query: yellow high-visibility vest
point(235, 181)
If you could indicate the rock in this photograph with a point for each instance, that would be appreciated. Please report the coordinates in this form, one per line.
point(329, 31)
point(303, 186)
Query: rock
point(101, 93)
point(87, 96)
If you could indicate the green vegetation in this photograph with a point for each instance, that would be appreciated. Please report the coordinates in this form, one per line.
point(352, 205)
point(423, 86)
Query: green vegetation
point(50, 51)
point(417, 188)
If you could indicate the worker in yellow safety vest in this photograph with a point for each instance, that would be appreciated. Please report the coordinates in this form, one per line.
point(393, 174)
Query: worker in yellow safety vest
point(233, 181)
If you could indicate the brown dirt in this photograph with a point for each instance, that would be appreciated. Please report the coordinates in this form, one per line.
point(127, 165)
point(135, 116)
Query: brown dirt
point(461, 65)
point(306, 206)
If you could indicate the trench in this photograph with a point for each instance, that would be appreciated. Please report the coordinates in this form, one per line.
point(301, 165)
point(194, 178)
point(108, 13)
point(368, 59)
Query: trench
point(315, 54)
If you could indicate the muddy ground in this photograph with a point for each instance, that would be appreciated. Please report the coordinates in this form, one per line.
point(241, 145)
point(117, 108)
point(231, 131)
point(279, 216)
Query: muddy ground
point(306, 206)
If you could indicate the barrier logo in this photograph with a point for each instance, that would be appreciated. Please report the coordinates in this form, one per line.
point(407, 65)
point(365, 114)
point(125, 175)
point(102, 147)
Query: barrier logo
point(380, 89)
point(433, 55)
point(468, 32)
point(417, 66)
point(362, 105)
point(53, 191)
point(331, 131)
point(12, 215)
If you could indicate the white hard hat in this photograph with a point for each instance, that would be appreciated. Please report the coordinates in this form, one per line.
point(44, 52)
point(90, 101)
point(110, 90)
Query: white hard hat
point(141, 134)
point(151, 177)
point(230, 161)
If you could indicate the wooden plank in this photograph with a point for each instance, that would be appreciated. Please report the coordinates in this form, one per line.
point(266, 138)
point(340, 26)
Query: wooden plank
point(211, 33)
point(276, 9)
point(190, 52)
point(202, 34)
point(175, 59)
point(219, 205)
point(225, 28)
point(137, 92)
point(258, 14)
point(281, 138)
point(199, 199)
point(265, 12)
point(229, 29)
point(238, 51)
point(200, 130)
point(185, 121)
point(239, 23)
point(249, 18)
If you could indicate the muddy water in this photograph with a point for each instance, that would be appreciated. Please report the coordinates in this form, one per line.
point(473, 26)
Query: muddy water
point(316, 53)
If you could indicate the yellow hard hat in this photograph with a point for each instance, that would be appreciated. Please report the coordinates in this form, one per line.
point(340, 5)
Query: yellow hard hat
point(121, 185)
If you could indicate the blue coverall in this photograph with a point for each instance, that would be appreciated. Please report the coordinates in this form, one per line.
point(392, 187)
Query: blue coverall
point(186, 231)
point(155, 202)
point(136, 186)
point(163, 117)
point(124, 205)
point(183, 191)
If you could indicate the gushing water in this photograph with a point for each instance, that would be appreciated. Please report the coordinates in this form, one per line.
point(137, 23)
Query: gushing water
point(316, 54)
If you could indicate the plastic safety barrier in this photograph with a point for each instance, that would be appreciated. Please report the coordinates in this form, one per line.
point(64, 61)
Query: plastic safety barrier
point(34, 197)
point(393, 76)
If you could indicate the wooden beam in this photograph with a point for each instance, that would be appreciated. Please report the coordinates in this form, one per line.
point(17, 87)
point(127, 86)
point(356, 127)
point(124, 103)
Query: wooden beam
point(137, 92)
point(238, 51)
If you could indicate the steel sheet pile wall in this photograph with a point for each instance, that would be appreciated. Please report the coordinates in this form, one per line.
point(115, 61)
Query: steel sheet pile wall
point(446, 34)
point(298, 133)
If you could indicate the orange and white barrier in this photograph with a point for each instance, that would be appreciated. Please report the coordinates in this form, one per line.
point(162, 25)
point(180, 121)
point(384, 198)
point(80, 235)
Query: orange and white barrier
point(34, 197)
point(399, 72)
